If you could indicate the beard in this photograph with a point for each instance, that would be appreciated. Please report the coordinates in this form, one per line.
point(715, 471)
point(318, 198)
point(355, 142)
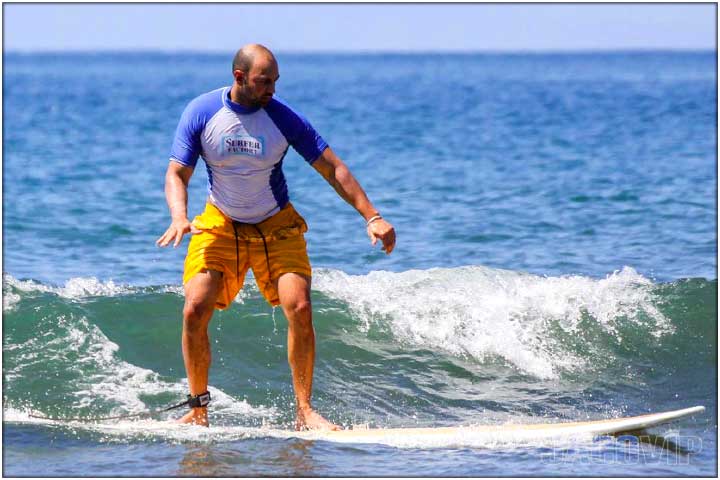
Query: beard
point(253, 99)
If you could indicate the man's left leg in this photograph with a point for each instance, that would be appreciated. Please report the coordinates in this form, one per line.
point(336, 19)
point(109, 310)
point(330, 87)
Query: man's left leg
point(294, 292)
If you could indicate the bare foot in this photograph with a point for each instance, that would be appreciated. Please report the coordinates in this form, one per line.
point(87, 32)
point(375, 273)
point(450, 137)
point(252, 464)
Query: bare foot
point(196, 416)
point(309, 419)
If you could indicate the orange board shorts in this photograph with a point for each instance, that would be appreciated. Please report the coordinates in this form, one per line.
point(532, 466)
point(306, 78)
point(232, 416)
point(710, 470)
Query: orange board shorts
point(218, 248)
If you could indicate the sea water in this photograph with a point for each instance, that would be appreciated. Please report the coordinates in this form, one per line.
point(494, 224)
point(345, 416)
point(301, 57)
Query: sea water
point(556, 261)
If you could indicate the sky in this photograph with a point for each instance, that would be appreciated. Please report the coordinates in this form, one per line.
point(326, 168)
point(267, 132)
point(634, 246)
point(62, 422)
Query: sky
point(358, 27)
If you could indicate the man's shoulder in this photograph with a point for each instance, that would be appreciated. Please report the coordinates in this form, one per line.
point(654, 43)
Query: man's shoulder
point(279, 109)
point(207, 103)
point(216, 93)
point(296, 129)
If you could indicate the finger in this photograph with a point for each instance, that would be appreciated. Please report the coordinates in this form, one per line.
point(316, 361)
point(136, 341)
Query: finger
point(389, 242)
point(162, 241)
point(168, 237)
point(159, 240)
point(371, 234)
point(178, 238)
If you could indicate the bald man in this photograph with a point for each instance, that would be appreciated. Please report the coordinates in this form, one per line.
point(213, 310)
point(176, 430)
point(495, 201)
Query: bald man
point(243, 132)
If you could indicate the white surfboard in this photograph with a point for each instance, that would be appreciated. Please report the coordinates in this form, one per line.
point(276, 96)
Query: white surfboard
point(467, 436)
point(501, 433)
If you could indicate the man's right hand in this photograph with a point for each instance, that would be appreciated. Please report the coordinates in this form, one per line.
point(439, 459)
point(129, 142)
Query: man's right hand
point(176, 231)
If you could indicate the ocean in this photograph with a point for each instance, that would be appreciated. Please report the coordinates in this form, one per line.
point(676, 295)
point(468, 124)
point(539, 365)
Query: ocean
point(556, 261)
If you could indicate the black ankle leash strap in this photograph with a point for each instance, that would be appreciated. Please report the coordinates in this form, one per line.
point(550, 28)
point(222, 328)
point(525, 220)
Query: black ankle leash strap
point(198, 401)
point(193, 401)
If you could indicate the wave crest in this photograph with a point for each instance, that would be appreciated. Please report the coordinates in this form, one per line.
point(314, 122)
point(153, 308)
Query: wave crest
point(482, 312)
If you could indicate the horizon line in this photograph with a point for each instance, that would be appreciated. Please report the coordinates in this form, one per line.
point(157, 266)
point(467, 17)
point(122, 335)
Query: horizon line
point(374, 51)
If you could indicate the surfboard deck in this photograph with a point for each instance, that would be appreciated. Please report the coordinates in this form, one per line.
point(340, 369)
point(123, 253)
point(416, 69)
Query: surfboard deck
point(507, 431)
point(466, 436)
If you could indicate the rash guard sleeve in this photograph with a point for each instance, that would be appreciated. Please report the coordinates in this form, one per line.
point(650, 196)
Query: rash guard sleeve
point(298, 131)
point(187, 145)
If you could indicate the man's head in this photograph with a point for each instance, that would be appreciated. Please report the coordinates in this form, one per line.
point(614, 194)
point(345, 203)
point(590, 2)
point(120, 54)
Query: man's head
point(256, 71)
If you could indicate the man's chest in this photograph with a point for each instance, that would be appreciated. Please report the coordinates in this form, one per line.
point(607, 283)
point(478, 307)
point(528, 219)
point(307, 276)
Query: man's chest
point(242, 141)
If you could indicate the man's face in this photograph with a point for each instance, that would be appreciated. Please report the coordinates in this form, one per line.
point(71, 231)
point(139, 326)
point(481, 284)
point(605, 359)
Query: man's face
point(259, 83)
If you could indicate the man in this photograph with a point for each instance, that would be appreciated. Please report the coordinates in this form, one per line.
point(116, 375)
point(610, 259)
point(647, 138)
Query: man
point(243, 134)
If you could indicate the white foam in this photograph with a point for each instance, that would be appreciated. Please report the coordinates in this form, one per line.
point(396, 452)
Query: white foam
point(176, 289)
point(10, 300)
point(479, 312)
point(164, 429)
point(74, 288)
point(113, 380)
point(78, 288)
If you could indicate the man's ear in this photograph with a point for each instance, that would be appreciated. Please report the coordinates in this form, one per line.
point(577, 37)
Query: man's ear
point(239, 75)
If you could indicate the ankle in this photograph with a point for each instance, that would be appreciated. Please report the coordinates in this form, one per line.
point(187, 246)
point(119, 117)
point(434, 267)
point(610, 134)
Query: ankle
point(306, 408)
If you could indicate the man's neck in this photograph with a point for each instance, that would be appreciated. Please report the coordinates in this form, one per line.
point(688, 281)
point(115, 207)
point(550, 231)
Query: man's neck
point(237, 96)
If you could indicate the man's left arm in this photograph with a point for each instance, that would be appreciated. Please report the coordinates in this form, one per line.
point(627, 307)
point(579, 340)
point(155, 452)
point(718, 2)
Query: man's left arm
point(338, 175)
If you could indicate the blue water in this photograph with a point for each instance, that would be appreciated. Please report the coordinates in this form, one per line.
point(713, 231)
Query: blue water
point(556, 261)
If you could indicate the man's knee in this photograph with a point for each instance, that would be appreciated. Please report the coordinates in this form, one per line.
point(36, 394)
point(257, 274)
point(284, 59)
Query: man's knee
point(300, 313)
point(196, 314)
point(301, 308)
point(200, 297)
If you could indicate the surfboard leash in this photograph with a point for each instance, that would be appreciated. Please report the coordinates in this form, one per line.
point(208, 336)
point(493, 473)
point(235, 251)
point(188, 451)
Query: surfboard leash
point(193, 401)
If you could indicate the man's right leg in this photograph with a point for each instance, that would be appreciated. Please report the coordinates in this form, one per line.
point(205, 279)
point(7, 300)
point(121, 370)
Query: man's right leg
point(201, 293)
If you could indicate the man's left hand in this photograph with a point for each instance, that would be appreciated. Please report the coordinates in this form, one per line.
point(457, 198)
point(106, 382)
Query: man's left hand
point(383, 231)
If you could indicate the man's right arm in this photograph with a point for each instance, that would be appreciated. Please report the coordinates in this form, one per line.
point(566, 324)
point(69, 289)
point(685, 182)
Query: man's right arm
point(177, 179)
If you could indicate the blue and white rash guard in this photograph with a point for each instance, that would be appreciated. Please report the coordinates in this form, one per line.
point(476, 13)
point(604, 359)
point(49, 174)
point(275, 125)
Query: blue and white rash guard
point(243, 149)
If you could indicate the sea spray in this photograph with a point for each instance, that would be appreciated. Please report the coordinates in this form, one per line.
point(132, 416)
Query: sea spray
point(480, 312)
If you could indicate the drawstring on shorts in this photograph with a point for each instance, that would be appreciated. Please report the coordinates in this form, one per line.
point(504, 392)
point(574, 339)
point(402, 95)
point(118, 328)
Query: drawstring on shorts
point(235, 223)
